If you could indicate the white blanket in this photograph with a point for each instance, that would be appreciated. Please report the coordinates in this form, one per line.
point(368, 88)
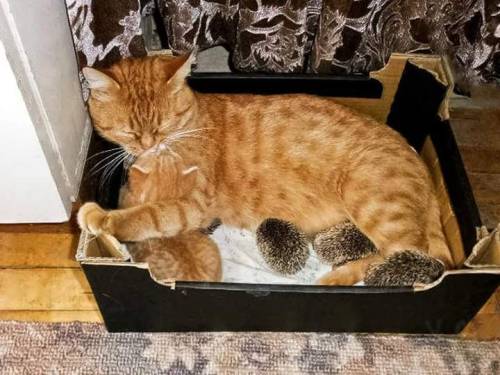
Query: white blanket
point(242, 262)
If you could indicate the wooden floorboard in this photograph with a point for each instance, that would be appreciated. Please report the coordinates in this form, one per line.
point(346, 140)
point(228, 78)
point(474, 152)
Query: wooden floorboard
point(476, 126)
point(486, 324)
point(53, 316)
point(45, 289)
point(68, 227)
point(40, 280)
point(483, 327)
point(18, 250)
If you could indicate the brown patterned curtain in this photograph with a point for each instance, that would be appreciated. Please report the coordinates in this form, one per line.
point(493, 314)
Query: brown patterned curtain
point(265, 35)
point(105, 31)
point(370, 30)
point(315, 36)
point(339, 36)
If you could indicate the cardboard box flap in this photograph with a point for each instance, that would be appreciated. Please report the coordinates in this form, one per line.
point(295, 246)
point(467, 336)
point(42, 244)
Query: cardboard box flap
point(103, 248)
point(486, 253)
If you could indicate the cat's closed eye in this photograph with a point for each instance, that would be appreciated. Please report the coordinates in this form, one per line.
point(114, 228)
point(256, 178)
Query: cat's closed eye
point(129, 133)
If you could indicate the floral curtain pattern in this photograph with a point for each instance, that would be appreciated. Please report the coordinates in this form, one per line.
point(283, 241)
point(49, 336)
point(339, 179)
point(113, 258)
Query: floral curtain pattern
point(204, 23)
point(339, 36)
point(370, 30)
point(266, 35)
point(284, 36)
point(105, 31)
point(272, 35)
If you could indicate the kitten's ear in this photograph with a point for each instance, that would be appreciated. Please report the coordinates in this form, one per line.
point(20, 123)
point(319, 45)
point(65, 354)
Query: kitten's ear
point(136, 176)
point(144, 164)
point(184, 68)
point(102, 87)
point(141, 169)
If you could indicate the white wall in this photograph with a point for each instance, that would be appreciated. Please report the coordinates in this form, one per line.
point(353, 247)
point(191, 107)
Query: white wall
point(43, 29)
point(39, 48)
point(28, 192)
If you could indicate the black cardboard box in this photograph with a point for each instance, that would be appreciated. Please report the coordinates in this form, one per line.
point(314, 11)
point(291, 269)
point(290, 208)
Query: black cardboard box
point(411, 95)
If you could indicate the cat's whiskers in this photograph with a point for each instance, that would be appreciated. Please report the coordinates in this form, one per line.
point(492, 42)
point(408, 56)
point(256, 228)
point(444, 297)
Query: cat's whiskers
point(111, 163)
point(179, 139)
point(181, 130)
point(129, 160)
point(107, 173)
point(175, 154)
point(108, 160)
point(161, 147)
point(112, 150)
point(195, 130)
point(187, 136)
point(189, 131)
point(112, 167)
point(176, 137)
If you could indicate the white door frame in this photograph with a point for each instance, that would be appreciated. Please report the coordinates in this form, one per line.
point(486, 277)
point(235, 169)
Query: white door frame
point(38, 45)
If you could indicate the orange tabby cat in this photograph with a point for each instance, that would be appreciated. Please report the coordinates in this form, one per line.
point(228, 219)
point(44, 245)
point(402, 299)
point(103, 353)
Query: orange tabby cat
point(300, 158)
point(190, 256)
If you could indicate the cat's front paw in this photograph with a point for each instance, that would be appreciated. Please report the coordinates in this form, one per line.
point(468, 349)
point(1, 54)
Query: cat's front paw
point(92, 218)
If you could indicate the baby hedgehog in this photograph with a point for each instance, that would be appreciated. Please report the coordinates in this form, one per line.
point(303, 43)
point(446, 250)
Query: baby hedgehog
point(404, 268)
point(342, 243)
point(283, 246)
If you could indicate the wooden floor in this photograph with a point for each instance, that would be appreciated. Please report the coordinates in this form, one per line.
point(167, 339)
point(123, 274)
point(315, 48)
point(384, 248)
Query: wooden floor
point(41, 281)
point(476, 125)
point(39, 277)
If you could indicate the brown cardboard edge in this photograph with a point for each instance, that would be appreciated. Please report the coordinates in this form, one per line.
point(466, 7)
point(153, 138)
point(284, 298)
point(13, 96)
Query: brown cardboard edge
point(121, 255)
point(488, 244)
point(464, 271)
point(117, 250)
point(172, 284)
point(436, 65)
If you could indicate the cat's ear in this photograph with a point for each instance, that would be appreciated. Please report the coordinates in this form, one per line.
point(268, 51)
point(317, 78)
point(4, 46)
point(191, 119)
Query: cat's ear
point(102, 87)
point(184, 64)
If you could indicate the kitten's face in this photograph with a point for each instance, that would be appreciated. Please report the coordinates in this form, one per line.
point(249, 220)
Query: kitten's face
point(139, 103)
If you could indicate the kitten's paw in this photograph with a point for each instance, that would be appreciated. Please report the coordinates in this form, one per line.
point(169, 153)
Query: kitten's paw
point(338, 276)
point(91, 218)
point(404, 268)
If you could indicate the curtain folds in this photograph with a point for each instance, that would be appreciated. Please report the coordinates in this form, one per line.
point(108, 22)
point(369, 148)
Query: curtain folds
point(299, 36)
point(339, 36)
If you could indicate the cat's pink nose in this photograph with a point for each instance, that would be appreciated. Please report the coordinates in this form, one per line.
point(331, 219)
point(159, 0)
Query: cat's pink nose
point(147, 141)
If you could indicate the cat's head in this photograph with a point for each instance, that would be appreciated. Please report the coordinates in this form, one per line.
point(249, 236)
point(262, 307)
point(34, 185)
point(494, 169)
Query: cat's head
point(139, 103)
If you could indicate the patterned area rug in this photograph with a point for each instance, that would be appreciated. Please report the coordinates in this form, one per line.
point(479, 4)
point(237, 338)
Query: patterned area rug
point(76, 348)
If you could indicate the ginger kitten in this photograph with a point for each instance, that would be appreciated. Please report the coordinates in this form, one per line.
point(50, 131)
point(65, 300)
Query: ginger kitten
point(189, 256)
point(299, 158)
